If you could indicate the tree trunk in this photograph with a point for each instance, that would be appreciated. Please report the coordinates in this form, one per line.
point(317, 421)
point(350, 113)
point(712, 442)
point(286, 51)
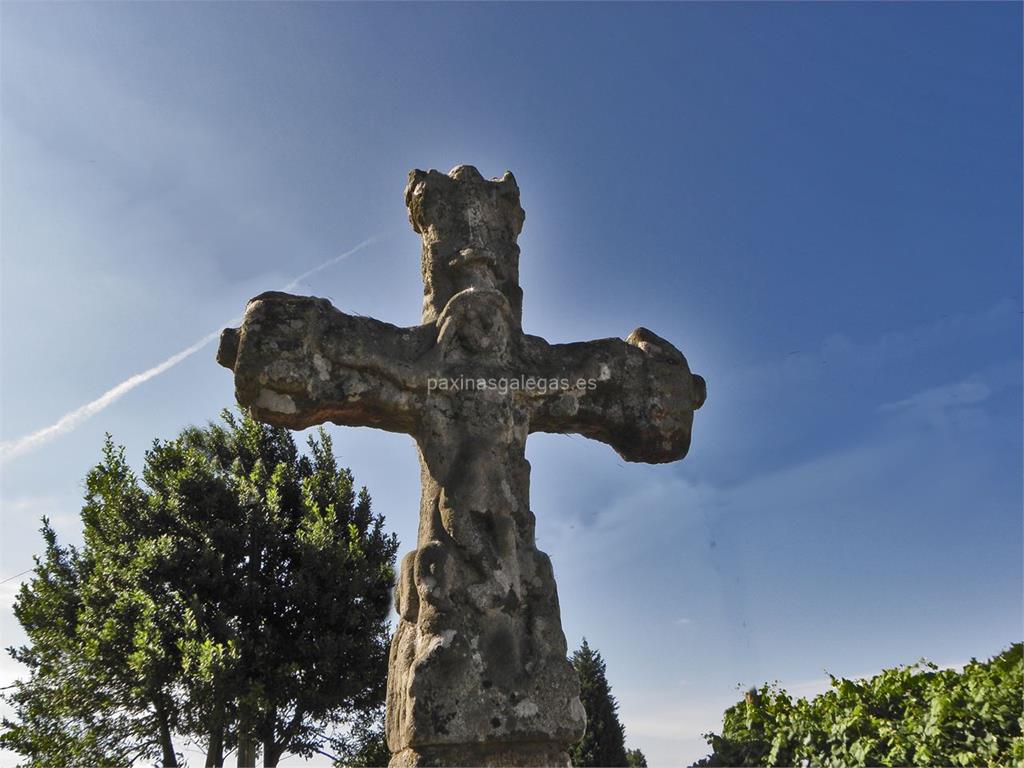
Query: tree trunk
point(270, 753)
point(170, 760)
point(215, 750)
point(246, 749)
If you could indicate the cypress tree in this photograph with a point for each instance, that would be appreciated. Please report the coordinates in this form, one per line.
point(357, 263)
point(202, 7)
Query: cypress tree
point(604, 743)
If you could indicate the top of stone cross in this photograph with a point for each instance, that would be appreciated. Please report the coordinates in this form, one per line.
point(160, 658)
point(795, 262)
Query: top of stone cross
point(469, 227)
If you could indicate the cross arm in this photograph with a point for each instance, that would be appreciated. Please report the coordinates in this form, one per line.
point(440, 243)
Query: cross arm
point(637, 395)
point(298, 361)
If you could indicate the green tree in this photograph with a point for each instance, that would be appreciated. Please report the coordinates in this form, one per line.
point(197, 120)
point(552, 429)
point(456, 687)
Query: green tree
point(603, 744)
point(69, 712)
point(236, 594)
point(365, 746)
point(909, 715)
point(635, 759)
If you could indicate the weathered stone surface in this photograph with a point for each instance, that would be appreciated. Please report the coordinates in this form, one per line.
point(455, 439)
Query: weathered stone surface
point(478, 671)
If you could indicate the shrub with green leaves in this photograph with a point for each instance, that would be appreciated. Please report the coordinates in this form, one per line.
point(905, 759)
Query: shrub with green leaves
point(910, 715)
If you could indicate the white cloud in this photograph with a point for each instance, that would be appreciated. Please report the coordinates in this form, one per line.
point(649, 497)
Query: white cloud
point(32, 506)
point(972, 390)
point(966, 392)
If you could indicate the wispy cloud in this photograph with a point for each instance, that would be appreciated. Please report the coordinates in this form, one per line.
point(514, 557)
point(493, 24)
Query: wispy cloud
point(969, 391)
point(69, 421)
point(966, 392)
point(56, 508)
point(840, 354)
point(32, 506)
point(668, 715)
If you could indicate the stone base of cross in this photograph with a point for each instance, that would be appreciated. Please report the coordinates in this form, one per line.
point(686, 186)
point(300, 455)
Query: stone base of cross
point(478, 670)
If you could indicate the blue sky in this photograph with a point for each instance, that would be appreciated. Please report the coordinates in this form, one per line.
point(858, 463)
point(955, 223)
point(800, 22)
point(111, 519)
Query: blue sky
point(818, 203)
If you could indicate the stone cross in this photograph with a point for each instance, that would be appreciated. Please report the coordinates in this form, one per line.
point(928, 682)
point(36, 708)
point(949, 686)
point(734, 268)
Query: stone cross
point(478, 672)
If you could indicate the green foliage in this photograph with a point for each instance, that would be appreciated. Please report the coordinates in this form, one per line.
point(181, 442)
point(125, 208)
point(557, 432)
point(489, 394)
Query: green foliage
point(236, 594)
point(635, 759)
point(603, 744)
point(910, 715)
point(365, 746)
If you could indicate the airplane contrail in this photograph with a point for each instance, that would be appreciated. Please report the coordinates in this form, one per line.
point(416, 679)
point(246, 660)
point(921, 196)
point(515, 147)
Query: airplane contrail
point(14, 448)
point(331, 262)
point(72, 419)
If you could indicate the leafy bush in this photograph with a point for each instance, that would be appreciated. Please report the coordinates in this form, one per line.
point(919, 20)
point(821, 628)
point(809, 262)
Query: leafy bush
point(910, 715)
